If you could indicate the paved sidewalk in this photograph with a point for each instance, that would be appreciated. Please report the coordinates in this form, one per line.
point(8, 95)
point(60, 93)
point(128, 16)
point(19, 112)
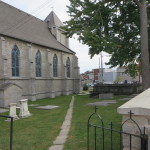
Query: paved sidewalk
point(58, 144)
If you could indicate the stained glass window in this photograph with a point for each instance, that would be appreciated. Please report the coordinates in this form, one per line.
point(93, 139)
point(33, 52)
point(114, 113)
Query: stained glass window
point(15, 55)
point(38, 64)
point(55, 66)
point(68, 67)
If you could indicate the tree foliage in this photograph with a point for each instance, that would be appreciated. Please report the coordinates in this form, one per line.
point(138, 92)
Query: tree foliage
point(106, 25)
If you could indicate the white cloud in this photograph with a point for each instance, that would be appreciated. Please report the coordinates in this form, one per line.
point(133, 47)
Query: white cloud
point(85, 62)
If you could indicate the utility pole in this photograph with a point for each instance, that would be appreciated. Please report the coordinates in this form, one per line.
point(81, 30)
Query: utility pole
point(101, 68)
point(99, 77)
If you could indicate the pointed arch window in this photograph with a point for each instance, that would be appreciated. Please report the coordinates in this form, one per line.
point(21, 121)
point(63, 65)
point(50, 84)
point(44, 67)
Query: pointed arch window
point(38, 67)
point(68, 67)
point(55, 66)
point(15, 55)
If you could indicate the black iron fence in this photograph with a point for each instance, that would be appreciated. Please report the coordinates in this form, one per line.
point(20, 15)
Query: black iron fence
point(10, 119)
point(100, 137)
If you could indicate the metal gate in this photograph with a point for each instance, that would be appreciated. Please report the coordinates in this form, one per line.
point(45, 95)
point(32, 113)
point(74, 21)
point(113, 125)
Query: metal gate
point(11, 129)
point(100, 137)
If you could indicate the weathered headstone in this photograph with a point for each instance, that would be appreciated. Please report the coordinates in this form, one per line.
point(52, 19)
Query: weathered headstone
point(102, 103)
point(24, 112)
point(106, 96)
point(12, 111)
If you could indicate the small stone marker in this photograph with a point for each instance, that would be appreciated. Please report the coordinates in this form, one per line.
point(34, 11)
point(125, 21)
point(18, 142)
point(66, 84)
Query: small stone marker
point(24, 112)
point(97, 104)
point(12, 111)
point(48, 107)
point(102, 103)
point(106, 96)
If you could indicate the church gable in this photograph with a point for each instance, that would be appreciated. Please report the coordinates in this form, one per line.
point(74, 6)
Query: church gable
point(54, 24)
point(53, 20)
point(20, 25)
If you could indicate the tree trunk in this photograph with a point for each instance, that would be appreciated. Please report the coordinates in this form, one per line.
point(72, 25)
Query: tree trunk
point(144, 46)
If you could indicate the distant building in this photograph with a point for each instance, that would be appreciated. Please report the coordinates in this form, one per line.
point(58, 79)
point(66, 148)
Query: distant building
point(108, 76)
point(123, 76)
point(87, 77)
point(91, 76)
point(94, 76)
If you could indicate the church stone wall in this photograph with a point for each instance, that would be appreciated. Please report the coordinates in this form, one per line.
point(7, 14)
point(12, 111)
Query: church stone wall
point(16, 95)
point(2, 98)
point(37, 87)
point(10, 94)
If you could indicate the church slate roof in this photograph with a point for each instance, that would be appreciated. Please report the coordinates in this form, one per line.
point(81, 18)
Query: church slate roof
point(53, 20)
point(20, 25)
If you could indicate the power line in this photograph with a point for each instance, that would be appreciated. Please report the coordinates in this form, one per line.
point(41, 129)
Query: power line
point(23, 20)
point(28, 19)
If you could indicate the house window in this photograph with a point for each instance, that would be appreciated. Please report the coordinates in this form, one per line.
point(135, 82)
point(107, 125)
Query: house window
point(38, 64)
point(68, 67)
point(55, 66)
point(15, 55)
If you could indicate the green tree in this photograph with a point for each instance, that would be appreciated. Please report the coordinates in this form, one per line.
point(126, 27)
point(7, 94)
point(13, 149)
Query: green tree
point(118, 27)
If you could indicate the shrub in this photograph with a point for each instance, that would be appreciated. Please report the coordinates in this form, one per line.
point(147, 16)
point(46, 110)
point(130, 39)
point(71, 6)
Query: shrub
point(85, 87)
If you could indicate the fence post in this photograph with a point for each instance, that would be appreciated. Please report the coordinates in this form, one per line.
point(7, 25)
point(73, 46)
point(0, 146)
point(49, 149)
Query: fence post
point(140, 108)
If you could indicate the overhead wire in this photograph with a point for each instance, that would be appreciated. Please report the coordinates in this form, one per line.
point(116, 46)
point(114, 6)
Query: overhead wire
point(26, 18)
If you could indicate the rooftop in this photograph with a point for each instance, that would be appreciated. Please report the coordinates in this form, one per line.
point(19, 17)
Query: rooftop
point(19, 25)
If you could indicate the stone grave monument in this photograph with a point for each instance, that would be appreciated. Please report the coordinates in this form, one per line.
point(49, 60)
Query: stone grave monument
point(24, 112)
point(12, 111)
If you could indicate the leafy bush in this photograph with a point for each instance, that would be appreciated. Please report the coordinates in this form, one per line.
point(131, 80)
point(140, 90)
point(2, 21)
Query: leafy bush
point(85, 87)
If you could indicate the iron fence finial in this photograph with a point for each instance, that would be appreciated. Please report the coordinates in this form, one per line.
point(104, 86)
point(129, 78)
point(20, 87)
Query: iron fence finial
point(96, 109)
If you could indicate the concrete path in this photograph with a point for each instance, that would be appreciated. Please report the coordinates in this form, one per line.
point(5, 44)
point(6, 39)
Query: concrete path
point(58, 144)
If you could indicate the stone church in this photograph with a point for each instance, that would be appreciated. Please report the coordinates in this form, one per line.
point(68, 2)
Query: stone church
point(35, 59)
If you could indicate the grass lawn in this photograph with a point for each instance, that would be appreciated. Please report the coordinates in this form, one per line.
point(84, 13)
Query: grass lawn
point(38, 131)
point(78, 134)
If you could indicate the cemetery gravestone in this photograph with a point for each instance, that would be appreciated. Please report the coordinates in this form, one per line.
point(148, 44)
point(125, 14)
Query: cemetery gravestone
point(12, 111)
point(24, 112)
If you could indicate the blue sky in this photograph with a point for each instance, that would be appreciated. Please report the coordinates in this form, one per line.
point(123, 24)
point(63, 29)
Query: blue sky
point(41, 8)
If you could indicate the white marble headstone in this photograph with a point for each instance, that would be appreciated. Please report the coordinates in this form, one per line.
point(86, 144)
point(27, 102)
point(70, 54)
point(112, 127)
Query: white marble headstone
point(12, 111)
point(24, 112)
